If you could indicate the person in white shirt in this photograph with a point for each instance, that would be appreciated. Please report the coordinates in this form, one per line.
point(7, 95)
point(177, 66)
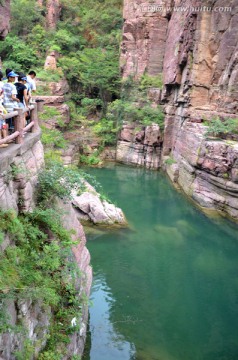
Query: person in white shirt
point(10, 100)
point(31, 81)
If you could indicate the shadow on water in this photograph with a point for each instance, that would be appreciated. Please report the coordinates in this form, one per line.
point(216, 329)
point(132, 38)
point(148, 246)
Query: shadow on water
point(167, 290)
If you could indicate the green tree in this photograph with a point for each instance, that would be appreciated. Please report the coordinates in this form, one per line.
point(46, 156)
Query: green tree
point(97, 72)
point(25, 14)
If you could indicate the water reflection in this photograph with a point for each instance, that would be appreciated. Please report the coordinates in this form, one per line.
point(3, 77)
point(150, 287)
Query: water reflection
point(167, 290)
point(106, 343)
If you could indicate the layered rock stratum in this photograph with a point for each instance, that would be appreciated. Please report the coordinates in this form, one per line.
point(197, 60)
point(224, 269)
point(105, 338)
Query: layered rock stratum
point(194, 45)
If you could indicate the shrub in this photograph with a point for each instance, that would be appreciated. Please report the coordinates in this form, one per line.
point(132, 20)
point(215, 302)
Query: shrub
point(218, 128)
point(37, 269)
point(170, 161)
point(49, 75)
point(90, 159)
point(122, 110)
point(18, 52)
point(147, 81)
point(58, 181)
point(53, 138)
point(107, 130)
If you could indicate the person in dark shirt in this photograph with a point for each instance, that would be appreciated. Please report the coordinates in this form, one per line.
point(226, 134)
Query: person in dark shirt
point(22, 91)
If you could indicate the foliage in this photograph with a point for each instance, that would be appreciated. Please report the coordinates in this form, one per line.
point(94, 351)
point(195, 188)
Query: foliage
point(218, 128)
point(106, 128)
point(28, 277)
point(27, 352)
point(142, 113)
point(49, 75)
point(151, 81)
point(170, 161)
point(89, 106)
point(53, 138)
point(87, 36)
point(134, 105)
point(18, 52)
point(52, 113)
point(43, 89)
point(22, 24)
point(96, 72)
point(58, 181)
point(50, 355)
point(91, 160)
point(36, 268)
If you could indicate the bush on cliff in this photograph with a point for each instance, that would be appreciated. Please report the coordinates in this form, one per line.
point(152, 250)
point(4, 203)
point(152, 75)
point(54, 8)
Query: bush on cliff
point(222, 128)
point(148, 81)
point(58, 181)
point(37, 269)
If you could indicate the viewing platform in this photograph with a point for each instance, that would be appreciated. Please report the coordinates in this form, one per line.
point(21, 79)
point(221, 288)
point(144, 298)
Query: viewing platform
point(23, 138)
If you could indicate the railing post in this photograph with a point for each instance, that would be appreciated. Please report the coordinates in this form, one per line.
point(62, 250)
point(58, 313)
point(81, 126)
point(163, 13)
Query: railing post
point(34, 117)
point(40, 105)
point(19, 123)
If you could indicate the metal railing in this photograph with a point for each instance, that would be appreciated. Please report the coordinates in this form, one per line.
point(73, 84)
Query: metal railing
point(20, 129)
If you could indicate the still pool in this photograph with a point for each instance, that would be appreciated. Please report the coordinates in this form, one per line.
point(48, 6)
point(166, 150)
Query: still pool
point(167, 287)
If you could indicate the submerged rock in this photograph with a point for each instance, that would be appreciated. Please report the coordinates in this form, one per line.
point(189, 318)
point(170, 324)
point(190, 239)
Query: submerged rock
point(92, 209)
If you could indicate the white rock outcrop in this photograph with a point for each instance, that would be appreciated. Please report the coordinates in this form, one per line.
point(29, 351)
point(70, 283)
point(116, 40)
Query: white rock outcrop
point(91, 208)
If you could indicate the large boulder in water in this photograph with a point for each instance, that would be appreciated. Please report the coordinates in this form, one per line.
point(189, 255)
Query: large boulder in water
point(92, 209)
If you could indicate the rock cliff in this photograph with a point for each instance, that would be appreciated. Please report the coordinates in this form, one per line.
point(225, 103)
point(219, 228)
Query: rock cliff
point(4, 18)
point(19, 169)
point(53, 13)
point(193, 43)
point(140, 146)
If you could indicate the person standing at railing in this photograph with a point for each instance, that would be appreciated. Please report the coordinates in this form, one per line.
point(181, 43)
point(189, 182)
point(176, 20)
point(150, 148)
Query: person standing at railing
point(10, 99)
point(3, 111)
point(22, 92)
point(31, 84)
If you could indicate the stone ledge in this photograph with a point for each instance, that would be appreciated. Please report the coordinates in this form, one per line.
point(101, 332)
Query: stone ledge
point(8, 154)
point(51, 100)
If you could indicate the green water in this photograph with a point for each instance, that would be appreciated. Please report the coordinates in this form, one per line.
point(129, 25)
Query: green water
point(167, 289)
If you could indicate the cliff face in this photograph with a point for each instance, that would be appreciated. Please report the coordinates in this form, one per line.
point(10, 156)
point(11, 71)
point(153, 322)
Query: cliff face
point(4, 18)
point(19, 169)
point(53, 13)
point(194, 45)
point(140, 146)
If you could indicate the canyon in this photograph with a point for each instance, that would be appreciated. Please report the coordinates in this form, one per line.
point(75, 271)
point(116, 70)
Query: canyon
point(196, 53)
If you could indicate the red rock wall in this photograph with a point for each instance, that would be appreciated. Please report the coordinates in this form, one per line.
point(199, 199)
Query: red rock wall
point(144, 40)
point(197, 52)
point(53, 8)
point(4, 19)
